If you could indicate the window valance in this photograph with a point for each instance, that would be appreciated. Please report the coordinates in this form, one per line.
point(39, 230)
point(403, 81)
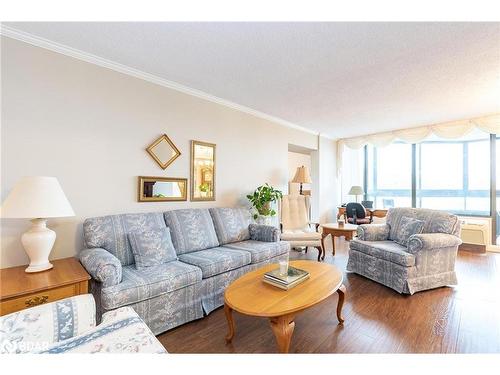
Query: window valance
point(450, 130)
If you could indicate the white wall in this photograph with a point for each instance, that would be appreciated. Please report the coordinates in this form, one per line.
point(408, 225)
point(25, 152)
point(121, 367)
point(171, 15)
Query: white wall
point(295, 160)
point(329, 196)
point(89, 127)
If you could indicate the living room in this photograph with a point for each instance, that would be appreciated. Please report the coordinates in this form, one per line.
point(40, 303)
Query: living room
point(250, 187)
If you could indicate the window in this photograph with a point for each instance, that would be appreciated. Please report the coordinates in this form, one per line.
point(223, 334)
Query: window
point(454, 175)
point(496, 207)
point(441, 166)
point(450, 175)
point(389, 178)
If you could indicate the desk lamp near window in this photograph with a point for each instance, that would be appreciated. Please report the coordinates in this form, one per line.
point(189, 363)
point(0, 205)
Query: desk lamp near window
point(356, 190)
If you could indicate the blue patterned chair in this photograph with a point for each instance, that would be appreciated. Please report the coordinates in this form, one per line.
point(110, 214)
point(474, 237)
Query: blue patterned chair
point(213, 247)
point(69, 326)
point(424, 261)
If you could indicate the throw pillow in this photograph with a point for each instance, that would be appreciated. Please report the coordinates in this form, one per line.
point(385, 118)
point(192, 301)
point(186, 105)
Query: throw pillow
point(152, 247)
point(408, 227)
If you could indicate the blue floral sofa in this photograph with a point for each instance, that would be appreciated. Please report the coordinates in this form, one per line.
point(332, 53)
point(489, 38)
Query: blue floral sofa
point(420, 261)
point(213, 246)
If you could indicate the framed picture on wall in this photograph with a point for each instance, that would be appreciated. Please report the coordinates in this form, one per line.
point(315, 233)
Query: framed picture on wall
point(202, 171)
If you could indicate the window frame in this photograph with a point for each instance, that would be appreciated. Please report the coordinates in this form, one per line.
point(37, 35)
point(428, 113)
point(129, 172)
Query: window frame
point(464, 192)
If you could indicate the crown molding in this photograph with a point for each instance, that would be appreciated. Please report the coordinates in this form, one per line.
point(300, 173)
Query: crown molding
point(96, 60)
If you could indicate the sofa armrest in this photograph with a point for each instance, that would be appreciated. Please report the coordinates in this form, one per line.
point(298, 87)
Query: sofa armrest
point(431, 241)
point(121, 331)
point(38, 327)
point(373, 232)
point(265, 233)
point(102, 266)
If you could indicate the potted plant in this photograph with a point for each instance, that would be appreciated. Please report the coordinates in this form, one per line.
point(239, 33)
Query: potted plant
point(204, 189)
point(261, 200)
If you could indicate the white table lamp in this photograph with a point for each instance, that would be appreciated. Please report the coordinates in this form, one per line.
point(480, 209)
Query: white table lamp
point(356, 190)
point(38, 198)
point(302, 176)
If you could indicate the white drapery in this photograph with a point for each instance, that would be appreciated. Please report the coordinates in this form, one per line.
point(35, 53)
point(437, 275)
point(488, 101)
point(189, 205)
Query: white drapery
point(449, 130)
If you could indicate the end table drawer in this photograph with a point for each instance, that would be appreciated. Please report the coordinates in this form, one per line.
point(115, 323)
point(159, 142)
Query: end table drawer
point(30, 300)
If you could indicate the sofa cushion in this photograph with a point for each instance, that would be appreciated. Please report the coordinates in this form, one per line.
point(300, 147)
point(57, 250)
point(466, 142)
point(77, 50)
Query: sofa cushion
point(387, 250)
point(300, 234)
point(231, 224)
point(217, 260)
point(139, 285)
point(191, 230)
point(408, 227)
point(152, 247)
point(110, 232)
point(259, 250)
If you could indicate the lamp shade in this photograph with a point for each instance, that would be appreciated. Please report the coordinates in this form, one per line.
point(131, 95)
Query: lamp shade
point(356, 190)
point(36, 197)
point(302, 176)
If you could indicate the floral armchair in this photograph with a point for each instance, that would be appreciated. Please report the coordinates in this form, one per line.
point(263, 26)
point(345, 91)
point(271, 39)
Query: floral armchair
point(69, 326)
point(389, 254)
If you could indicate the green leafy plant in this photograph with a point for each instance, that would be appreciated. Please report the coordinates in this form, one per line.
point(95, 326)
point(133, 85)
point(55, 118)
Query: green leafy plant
point(262, 198)
point(205, 187)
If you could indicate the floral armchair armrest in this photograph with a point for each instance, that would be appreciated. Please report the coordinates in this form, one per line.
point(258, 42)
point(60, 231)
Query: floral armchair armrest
point(373, 232)
point(432, 241)
point(265, 233)
point(102, 266)
point(121, 331)
point(38, 327)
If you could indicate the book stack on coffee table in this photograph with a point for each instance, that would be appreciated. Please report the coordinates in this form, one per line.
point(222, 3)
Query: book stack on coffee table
point(294, 277)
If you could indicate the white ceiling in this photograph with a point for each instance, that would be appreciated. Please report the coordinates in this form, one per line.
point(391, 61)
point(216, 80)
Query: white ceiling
point(340, 79)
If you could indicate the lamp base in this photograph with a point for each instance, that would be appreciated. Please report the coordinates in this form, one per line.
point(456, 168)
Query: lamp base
point(38, 242)
point(38, 268)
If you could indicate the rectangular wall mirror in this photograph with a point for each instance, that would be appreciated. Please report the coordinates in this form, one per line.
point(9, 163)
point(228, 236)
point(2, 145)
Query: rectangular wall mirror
point(202, 171)
point(162, 189)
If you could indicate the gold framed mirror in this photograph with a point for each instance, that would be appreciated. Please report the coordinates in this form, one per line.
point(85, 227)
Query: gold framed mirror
point(161, 189)
point(202, 171)
point(163, 151)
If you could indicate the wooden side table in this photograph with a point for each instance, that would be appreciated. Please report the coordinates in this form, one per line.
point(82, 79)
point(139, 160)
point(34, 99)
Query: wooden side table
point(20, 290)
point(347, 230)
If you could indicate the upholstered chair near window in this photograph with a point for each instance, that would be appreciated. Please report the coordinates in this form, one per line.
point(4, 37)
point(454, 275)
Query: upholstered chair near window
point(296, 226)
point(414, 250)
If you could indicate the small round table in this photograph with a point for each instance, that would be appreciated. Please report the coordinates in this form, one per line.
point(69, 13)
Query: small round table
point(249, 295)
point(347, 230)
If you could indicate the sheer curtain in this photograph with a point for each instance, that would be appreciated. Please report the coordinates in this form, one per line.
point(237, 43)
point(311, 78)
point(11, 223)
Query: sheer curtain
point(450, 130)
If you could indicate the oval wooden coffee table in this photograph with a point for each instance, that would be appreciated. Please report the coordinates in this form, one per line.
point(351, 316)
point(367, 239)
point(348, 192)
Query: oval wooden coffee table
point(249, 295)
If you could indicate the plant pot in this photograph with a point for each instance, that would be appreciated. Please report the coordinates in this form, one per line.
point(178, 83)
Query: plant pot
point(264, 220)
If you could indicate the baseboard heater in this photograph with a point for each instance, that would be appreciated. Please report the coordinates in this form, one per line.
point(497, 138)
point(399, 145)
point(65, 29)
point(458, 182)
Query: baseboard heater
point(475, 234)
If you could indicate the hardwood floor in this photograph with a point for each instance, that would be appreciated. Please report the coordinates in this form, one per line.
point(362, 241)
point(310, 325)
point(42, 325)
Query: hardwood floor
point(461, 319)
